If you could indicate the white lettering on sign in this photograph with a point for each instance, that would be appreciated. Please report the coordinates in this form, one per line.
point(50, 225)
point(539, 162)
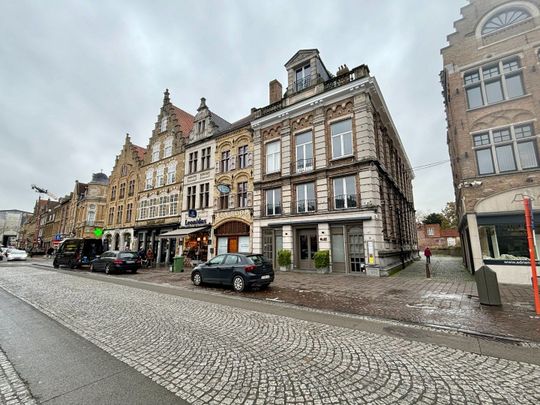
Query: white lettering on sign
point(198, 221)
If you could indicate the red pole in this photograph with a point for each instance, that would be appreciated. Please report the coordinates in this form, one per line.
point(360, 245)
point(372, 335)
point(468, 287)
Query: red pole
point(530, 232)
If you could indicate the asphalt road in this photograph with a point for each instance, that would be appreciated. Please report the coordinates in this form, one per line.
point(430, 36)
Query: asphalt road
point(61, 367)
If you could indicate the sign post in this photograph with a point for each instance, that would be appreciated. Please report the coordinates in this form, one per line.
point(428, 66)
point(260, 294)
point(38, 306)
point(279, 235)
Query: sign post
point(530, 238)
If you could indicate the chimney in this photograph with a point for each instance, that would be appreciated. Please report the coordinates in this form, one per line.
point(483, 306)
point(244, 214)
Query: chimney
point(343, 69)
point(276, 91)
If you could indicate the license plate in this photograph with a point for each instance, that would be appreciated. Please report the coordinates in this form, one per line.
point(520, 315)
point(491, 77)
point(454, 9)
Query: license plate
point(265, 277)
point(130, 261)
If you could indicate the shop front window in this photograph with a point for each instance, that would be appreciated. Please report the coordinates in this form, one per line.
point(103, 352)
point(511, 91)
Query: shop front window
point(504, 241)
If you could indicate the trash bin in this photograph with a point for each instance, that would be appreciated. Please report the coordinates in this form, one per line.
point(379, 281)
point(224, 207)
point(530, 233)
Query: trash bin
point(487, 286)
point(178, 266)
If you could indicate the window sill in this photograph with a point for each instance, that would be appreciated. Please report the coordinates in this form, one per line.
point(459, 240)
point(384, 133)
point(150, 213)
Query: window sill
point(498, 103)
point(337, 159)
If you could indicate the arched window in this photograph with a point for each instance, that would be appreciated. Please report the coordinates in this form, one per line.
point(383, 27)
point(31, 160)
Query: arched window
point(504, 19)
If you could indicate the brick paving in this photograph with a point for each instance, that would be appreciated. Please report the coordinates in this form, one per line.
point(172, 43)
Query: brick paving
point(13, 390)
point(214, 354)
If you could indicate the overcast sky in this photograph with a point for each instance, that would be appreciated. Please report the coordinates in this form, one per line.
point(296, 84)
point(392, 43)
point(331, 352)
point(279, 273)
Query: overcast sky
point(75, 76)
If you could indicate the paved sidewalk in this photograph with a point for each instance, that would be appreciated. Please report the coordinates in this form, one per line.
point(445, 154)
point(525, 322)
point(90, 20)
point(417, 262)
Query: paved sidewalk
point(448, 300)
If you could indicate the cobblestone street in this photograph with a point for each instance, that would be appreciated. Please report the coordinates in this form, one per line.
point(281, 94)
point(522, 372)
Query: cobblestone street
point(209, 353)
point(13, 391)
point(448, 299)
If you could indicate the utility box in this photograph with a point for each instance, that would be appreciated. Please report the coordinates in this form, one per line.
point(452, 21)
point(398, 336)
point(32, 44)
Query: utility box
point(487, 286)
point(178, 265)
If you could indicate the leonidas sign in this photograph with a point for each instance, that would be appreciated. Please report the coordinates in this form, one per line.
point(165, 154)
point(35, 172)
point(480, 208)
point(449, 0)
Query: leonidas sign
point(195, 222)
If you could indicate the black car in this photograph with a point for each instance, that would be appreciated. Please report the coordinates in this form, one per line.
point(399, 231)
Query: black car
point(115, 260)
point(239, 270)
point(76, 252)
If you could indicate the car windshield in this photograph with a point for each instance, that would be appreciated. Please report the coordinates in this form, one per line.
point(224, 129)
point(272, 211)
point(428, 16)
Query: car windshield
point(70, 247)
point(128, 255)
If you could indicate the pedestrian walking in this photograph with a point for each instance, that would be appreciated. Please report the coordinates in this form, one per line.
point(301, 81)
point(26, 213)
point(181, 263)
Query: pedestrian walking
point(150, 256)
point(427, 253)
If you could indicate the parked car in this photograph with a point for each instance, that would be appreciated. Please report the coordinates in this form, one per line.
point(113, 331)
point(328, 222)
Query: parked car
point(241, 271)
point(114, 260)
point(35, 251)
point(77, 252)
point(15, 254)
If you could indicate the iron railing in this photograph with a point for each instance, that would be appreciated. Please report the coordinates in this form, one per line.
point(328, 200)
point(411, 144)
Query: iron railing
point(303, 206)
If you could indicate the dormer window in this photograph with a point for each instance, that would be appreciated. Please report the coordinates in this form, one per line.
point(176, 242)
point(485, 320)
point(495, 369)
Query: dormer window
point(163, 126)
point(303, 77)
point(504, 19)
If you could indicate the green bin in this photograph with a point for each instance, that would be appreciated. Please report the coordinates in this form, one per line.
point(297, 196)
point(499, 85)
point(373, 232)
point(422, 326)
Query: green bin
point(178, 266)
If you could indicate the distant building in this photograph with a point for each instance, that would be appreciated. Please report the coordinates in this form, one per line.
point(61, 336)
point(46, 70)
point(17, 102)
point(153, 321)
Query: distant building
point(160, 181)
point(491, 88)
point(11, 222)
point(122, 192)
point(435, 237)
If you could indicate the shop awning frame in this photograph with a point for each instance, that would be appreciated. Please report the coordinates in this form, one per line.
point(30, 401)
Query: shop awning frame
point(181, 232)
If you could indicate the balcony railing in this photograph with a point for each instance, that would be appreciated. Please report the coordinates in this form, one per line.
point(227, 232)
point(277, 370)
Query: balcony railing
point(304, 206)
point(346, 201)
point(358, 72)
point(303, 165)
point(273, 209)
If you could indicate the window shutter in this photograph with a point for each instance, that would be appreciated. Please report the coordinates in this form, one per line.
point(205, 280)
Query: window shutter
point(249, 159)
point(232, 163)
point(231, 200)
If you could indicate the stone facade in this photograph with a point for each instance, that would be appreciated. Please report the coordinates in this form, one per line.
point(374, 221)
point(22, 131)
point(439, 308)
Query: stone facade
point(330, 173)
point(491, 87)
point(90, 207)
point(199, 182)
point(122, 195)
point(160, 185)
point(233, 210)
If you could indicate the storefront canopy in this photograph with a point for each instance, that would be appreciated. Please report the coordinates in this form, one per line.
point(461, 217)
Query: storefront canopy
point(181, 232)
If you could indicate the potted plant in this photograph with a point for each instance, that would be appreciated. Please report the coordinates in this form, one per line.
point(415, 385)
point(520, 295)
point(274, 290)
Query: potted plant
point(322, 260)
point(284, 259)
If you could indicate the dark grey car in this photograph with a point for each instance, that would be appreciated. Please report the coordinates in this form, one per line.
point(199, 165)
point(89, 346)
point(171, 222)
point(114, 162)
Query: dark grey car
point(115, 260)
point(235, 269)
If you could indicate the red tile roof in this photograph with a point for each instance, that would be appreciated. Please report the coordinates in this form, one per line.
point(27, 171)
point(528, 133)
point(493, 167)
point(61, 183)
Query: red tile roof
point(184, 119)
point(140, 151)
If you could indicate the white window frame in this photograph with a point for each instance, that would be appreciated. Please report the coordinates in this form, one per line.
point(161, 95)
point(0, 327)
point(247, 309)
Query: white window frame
point(341, 136)
point(274, 203)
point(167, 151)
point(346, 192)
point(486, 141)
point(171, 173)
point(149, 182)
point(302, 196)
point(273, 159)
point(487, 78)
point(155, 152)
point(163, 123)
point(173, 201)
point(160, 178)
point(304, 167)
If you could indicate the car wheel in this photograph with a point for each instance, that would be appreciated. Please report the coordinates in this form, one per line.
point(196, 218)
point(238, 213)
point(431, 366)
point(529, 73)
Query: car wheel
point(197, 278)
point(108, 269)
point(133, 271)
point(72, 264)
point(239, 284)
point(55, 265)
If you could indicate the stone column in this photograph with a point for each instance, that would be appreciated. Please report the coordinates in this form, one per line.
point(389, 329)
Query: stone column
point(168, 254)
point(158, 253)
point(288, 241)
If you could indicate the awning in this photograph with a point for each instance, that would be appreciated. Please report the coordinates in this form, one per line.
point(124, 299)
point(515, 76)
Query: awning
point(181, 232)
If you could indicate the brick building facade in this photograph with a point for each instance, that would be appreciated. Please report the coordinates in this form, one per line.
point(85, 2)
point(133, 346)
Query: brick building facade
point(491, 88)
